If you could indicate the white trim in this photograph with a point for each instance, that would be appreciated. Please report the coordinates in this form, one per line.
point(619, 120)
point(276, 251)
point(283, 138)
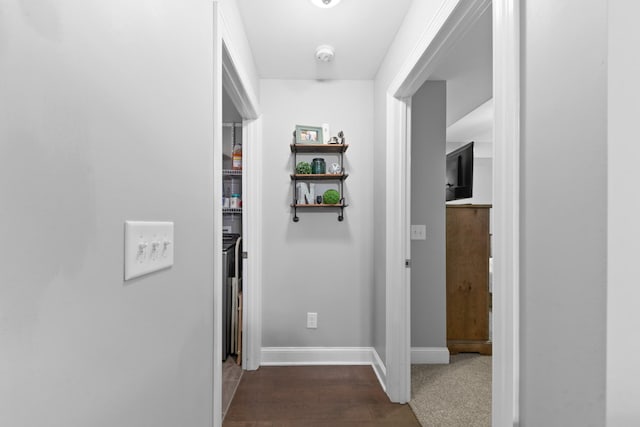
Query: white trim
point(291, 356)
point(506, 204)
point(322, 356)
point(430, 355)
point(398, 321)
point(235, 77)
point(451, 21)
point(217, 218)
point(242, 99)
point(379, 369)
point(252, 282)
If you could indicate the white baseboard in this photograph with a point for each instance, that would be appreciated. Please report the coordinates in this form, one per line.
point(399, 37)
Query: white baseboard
point(379, 369)
point(287, 356)
point(292, 356)
point(430, 355)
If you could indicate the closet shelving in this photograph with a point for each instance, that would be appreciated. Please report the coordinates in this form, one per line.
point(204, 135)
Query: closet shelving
point(232, 173)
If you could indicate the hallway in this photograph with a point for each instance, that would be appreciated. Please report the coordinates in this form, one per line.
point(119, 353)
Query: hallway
point(314, 396)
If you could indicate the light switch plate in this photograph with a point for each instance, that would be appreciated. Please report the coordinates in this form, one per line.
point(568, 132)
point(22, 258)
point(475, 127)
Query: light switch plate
point(418, 232)
point(148, 247)
point(312, 320)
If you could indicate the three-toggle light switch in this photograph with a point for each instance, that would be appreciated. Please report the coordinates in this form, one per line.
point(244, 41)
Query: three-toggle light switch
point(148, 247)
point(152, 250)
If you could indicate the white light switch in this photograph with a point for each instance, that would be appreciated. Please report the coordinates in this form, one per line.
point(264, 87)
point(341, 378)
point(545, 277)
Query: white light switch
point(148, 247)
point(312, 320)
point(418, 232)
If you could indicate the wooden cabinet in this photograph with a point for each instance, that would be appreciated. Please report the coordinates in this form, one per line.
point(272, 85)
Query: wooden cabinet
point(337, 150)
point(468, 297)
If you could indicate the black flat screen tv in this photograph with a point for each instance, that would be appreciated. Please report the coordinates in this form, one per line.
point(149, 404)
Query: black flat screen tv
point(460, 173)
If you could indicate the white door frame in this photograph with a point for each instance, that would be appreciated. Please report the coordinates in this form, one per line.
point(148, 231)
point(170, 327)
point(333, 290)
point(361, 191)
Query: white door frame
point(451, 22)
point(228, 73)
point(247, 106)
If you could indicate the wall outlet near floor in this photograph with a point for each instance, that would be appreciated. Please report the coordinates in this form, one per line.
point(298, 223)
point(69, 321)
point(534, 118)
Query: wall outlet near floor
point(312, 320)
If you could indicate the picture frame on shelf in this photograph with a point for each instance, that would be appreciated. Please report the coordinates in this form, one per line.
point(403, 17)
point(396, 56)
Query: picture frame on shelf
point(309, 134)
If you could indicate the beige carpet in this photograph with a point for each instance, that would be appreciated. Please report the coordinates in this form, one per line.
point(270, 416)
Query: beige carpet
point(454, 395)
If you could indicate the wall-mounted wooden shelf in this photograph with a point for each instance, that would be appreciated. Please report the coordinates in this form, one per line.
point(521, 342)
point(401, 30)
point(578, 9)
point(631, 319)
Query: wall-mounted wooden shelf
point(319, 176)
point(335, 149)
point(319, 148)
point(322, 205)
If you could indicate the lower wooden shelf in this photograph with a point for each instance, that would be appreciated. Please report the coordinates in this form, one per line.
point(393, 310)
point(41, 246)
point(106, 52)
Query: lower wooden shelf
point(339, 206)
point(321, 205)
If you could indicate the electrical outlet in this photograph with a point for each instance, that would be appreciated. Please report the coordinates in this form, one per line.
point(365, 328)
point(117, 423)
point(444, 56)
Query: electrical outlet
point(312, 320)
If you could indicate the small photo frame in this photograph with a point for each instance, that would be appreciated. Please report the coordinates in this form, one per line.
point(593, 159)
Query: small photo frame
point(308, 135)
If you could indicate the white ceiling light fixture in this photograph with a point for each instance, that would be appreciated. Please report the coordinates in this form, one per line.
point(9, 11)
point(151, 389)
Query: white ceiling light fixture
point(325, 4)
point(325, 53)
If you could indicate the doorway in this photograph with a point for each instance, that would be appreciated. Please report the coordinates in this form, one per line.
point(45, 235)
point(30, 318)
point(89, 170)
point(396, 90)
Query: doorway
point(232, 82)
point(452, 22)
point(233, 177)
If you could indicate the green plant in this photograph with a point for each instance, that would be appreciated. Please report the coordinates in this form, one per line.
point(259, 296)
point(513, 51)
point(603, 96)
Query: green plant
point(331, 197)
point(303, 168)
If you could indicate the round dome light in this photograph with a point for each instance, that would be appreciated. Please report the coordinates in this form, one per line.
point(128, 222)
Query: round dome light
point(325, 4)
point(325, 53)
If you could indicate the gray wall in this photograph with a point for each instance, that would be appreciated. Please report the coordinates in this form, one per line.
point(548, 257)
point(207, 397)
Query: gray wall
point(107, 118)
point(318, 264)
point(428, 257)
point(623, 292)
point(563, 213)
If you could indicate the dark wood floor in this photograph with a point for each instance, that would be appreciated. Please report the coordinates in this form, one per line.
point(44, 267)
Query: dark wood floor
point(314, 396)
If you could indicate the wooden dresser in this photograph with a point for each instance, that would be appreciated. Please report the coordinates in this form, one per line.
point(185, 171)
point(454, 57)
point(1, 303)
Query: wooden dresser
point(468, 297)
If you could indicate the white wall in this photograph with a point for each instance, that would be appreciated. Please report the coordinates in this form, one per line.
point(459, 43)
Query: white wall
point(428, 257)
point(107, 117)
point(563, 213)
point(318, 264)
point(623, 292)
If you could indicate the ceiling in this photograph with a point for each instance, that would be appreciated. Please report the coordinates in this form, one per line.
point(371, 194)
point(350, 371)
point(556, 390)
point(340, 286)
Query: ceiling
point(476, 126)
point(284, 35)
point(468, 70)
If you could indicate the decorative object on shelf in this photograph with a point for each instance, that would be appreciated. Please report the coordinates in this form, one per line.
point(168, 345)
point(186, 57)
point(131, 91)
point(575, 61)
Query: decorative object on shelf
point(334, 168)
point(306, 193)
point(340, 139)
point(303, 168)
point(318, 166)
point(326, 133)
point(331, 197)
point(308, 135)
point(318, 200)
